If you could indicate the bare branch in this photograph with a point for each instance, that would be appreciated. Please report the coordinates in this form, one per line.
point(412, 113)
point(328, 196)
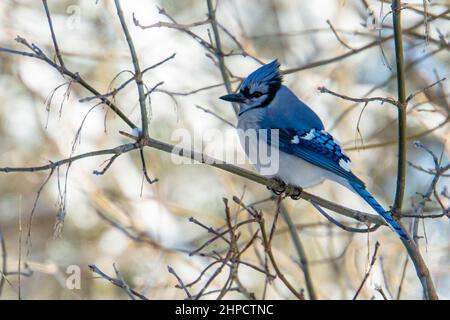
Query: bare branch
point(218, 51)
point(338, 37)
point(52, 165)
point(412, 95)
point(358, 50)
point(125, 83)
point(372, 262)
point(4, 271)
point(116, 282)
point(137, 70)
point(360, 100)
point(215, 115)
point(55, 43)
point(342, 226)
point(183, 286)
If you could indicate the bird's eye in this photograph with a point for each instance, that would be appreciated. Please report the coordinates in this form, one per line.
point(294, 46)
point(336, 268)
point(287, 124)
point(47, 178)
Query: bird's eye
point(257, 94)
point(245, 92)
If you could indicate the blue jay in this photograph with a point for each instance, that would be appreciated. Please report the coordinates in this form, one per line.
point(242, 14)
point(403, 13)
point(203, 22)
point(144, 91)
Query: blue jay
point(307, 153)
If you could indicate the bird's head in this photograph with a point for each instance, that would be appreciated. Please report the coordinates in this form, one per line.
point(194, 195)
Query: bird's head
point(258, 89)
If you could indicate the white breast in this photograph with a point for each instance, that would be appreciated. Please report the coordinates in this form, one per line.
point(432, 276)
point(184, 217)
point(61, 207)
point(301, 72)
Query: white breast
point(298, 172)
point(289, 168)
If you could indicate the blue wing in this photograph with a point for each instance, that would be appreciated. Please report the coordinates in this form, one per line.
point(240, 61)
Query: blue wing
point(319, 148)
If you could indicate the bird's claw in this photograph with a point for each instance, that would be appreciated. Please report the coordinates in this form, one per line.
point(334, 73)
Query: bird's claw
point(293, 192)
point(280, 186)
point(289, 190)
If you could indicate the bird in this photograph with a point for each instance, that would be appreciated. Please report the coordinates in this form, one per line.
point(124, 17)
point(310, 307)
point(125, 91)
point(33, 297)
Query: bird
point(307, 153)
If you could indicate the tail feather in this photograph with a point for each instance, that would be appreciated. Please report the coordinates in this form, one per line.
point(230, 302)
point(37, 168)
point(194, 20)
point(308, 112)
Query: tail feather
point(362, 191)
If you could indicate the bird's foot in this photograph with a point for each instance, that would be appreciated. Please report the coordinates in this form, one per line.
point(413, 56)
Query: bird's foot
point(293, 192)
point(279, 186)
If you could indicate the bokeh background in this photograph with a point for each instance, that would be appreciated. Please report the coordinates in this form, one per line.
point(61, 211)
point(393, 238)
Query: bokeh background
point(40, 114)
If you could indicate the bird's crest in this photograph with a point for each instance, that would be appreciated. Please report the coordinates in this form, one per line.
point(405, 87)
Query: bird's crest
point(268, 74)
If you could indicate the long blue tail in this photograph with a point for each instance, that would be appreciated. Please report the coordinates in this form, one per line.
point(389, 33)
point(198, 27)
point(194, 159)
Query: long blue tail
point(362, 191)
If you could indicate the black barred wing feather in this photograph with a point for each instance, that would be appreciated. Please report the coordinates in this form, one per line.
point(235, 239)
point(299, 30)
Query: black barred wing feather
point(319, 148)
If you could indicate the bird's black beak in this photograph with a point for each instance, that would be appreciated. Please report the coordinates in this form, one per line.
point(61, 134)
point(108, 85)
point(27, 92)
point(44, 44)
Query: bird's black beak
point(234, 97)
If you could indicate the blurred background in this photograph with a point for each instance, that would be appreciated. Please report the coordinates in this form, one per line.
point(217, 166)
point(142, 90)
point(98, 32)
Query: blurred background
point(108, 216)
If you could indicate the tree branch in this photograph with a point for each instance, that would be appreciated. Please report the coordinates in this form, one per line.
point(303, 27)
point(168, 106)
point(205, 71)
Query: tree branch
point(137, 70)
point(402, 103)
point(219, 52)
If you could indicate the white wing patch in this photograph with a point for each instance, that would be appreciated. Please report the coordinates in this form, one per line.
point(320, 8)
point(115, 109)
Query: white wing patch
point(310, 135)
point(345, 164)
point(295, 140)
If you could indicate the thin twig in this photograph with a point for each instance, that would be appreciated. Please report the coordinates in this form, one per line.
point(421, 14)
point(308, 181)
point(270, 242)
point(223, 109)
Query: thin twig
point(215, 115)
point(372, 262)
point(137, 70)
point(55, 43)
point(380, 290)
point(357, 50)
point(52, 165)
point(219, 52)
point(75, 76)
point(342, 226)
point(412, 64)
point(361, 100)
point(408, 138)
point(188, 93)
point(125, 83)
point(338, 37)
point(116, 282)
point(4, 270)
point(19, 262)
point(125, 285)
point(108, 165)
point(30, 219)
point(268, 247)
point(301, 253)
point(425, 21)
point(177, 26)
point(280, 275)
point(432, 187)
point(402, 278)
point(412, 95)
point(183, 286)
point(133, 236)
point(144, 168)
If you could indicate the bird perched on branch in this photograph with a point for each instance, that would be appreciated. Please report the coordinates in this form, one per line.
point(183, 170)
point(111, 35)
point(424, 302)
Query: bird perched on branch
point(305, 153)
